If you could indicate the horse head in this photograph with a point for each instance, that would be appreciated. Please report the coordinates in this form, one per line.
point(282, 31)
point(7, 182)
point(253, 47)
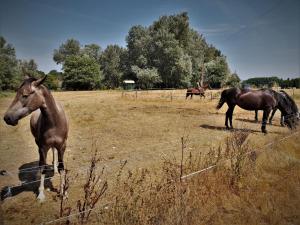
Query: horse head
point(289, 109)
point(28, 98)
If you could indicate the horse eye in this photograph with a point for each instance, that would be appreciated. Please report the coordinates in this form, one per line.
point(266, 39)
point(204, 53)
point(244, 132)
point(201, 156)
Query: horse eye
point(25, 96)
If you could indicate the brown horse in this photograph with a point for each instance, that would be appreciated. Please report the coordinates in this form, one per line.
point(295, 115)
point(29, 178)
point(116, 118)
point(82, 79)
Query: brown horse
point(256, 100)
point(197, 91)
point(293, 104)
point(48, 123)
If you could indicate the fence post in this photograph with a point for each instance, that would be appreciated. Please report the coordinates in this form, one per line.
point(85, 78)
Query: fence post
point(211, 95)
point(136, 94)
point(171, 96)
point(293, 93)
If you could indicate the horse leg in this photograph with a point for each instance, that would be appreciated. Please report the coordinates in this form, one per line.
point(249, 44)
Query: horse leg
point(42, 164)
point(272, 115)
point(187, 95)
point(61, 167)
point(256, 115)
point(264, 120)
point(230, 117)
point(54, 162)
point(226, 119)
point(282, 120)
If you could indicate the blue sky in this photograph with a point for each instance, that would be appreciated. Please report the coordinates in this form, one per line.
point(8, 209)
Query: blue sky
point(259, 37)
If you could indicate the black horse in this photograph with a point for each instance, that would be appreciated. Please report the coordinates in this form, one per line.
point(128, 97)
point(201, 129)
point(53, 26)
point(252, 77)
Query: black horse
point(293, 105)
point(265, 100)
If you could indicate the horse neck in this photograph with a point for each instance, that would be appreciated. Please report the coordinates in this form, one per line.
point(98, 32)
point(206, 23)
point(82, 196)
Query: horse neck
point(49, 109)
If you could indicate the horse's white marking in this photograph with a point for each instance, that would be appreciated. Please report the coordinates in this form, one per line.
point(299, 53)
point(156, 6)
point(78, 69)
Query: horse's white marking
point(62, 182)
point(41, 196)
point(55, 163)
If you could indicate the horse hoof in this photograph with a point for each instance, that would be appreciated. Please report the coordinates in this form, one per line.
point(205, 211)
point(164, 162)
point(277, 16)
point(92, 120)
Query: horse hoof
point(264, 131)
point(41, 197)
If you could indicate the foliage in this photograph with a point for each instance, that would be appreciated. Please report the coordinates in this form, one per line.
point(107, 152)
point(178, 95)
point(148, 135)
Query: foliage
point(217, 72)
point(271, 81)
point(70, 48)
point(54, 80)
point(81, 73)
point(9, 73)
point(233, 80)
point(92, 50)
point(30, 68)
point(111, 65)
point(173, 48)
point(146, 78)
point(81, 66)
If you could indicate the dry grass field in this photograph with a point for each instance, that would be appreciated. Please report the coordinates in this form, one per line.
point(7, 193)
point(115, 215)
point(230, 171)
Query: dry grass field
point(144, 130)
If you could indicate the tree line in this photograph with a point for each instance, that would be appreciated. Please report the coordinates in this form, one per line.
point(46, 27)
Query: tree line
point(274, 81)
point(166, 54)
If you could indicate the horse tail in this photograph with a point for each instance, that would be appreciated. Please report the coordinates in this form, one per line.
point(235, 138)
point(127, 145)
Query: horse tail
point(222, 100)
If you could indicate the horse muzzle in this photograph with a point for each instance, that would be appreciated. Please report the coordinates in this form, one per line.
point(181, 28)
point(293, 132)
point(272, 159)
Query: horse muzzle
point(10, 120)
point(12, 117)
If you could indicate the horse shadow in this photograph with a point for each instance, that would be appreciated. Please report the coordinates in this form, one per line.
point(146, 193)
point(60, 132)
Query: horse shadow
point(254, 121)
point(29, 173)
point(206, 126)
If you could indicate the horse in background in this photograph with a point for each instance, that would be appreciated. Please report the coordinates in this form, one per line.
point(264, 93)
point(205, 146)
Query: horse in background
point(48, 124)
point(197, 91)
point(256, 100)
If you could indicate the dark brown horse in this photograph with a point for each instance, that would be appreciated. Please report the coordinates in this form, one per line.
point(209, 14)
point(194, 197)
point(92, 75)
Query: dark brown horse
point(197, 91)
point(48, 123)
point(293, 105)
point(255, 100)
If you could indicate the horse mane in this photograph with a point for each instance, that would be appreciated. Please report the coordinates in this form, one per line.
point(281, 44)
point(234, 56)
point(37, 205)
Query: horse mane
point(293, 103)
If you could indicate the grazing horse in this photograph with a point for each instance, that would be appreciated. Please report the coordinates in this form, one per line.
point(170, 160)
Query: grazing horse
point(48, 124)
point(293, 105)
point(197, 91)
point(255, 100)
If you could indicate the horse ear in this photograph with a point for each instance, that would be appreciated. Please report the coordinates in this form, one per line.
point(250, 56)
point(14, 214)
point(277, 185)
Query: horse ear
point(39, 81)
point(25, 74)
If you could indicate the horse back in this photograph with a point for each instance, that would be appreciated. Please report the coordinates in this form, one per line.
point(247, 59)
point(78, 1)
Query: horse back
point(256, 100)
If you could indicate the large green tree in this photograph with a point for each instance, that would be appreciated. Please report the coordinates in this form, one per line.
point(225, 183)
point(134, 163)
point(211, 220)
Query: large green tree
point(9, 72)
point(169, 45)
point(81, 66)
point(146, 78)
point(70, 48)
point(92, 50)
point(111, 65)
point(81, 72)
point(233, 80)
point(217, 72)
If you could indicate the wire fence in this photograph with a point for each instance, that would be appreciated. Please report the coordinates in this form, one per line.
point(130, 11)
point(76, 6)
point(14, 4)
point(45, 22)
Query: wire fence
point(209, 168)
point(168, 94)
